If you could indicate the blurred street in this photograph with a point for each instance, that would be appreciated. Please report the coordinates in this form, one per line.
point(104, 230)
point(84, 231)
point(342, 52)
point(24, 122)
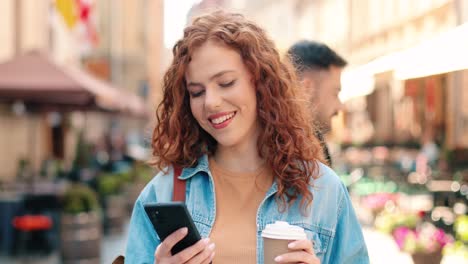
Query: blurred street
point(381, 247)
point(382, 250)
point(112, 246)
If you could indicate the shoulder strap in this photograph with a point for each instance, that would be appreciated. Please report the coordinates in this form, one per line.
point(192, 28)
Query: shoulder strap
point(119, 260)
point(178, 193)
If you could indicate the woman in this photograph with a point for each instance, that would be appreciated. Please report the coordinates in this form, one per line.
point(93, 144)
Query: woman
point(231, 117)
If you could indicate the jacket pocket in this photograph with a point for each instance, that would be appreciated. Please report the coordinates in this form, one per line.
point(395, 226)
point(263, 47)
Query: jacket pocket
point(320, 237)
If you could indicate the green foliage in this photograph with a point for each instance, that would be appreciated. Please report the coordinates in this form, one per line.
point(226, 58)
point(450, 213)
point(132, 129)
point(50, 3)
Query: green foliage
point(458, 248)
point(80, 198)
point(141, 172)
point(109, 183)
point(113, 183)
point(389, 221)
point(83, 152)
point(461, 228)
point(24, 169)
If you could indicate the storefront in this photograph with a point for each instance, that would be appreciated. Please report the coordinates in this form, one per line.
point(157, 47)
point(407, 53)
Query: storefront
point(417, 93)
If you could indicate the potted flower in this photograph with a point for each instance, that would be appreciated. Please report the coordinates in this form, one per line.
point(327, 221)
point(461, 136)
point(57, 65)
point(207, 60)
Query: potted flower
point(458, 251)
point(377, 202)
point(424, 243)
point(387, 222)
point(80, 225)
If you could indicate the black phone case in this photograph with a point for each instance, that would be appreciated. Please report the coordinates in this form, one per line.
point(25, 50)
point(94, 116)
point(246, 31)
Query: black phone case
point(169, 217)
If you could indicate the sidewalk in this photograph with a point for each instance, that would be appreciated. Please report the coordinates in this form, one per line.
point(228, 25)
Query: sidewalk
point(383, 250)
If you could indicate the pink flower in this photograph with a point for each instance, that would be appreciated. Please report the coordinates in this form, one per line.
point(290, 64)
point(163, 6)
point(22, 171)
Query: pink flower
point(400, 234)
point(426, 238)
point(378, 200)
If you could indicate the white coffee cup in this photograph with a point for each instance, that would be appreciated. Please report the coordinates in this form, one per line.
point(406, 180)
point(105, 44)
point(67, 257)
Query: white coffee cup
point(276, 238)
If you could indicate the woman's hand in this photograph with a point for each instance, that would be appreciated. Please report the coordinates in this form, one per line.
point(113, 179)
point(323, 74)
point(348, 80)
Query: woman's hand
point(201, 252)
point(303, 253)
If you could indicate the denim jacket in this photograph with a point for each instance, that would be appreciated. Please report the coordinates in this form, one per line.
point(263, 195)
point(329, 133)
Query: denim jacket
point(331, 225)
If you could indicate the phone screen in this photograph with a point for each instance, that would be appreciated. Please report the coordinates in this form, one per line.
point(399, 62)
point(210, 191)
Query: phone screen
point(168, 218)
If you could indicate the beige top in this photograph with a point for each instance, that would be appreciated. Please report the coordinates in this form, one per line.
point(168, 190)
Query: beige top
point(238, 196)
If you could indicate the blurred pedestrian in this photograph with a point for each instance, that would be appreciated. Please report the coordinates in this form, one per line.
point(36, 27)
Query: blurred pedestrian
point(319, 69)
point(231, 118)
point(429, 148)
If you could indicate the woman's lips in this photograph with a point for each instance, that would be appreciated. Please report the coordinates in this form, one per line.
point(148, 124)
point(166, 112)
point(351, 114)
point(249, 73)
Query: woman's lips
point(221, 120)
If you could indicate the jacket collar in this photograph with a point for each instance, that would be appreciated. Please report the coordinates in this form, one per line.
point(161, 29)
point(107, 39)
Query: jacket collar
point(202, 165)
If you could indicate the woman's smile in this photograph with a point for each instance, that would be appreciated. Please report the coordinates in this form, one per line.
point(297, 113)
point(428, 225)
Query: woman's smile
point(221, 120)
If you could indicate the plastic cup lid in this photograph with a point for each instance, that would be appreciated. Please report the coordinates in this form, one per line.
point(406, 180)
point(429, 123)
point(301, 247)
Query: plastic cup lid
point(283, 230)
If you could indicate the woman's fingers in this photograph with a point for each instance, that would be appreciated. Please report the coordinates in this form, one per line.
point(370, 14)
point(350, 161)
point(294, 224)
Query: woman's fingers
point(297, 257)
point(304, 244)
point(203, 257)
point(191, 252)
point(209, 260)
point(200, 252)
point(302, 252)
point(164, 249)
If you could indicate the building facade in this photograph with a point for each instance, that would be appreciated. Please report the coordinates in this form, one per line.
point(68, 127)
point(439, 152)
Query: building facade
point(126, 53)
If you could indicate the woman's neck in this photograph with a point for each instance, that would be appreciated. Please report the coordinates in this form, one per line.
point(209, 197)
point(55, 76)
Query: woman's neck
point(240, 158)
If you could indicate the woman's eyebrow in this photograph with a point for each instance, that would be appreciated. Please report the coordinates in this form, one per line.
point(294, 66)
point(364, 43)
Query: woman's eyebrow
point(211, 78)
point(219, 74)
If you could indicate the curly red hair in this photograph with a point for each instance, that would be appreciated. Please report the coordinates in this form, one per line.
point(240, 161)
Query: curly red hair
point(286, 140)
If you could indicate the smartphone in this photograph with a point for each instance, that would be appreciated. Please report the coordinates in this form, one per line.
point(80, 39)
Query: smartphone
point(169, 217)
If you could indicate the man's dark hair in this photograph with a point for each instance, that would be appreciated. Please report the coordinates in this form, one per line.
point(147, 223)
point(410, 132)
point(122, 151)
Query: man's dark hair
point(312, 55)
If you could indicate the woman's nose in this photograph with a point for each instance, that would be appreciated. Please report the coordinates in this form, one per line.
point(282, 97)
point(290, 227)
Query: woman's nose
point(212, 99)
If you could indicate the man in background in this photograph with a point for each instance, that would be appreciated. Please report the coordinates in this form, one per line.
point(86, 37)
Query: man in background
point(319, 69)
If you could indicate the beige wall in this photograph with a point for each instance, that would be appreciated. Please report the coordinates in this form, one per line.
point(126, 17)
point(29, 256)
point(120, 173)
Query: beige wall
point(279, 20)
point(462, 7)
point(35, 25)
point(21, 137)
point(155, 54)
point(332, 19)
point(7, 47)
point(373, 32)
point(33, 32)
point(457, 107)
point(462, 120)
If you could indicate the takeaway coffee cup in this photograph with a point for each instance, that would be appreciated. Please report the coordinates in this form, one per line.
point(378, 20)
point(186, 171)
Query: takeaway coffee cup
point(276, 238)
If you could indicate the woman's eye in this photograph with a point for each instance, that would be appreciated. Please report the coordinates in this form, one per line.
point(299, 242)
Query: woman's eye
point(227, 84)
point(196, 94)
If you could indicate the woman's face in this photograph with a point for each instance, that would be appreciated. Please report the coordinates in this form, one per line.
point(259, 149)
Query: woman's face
point(222, 96)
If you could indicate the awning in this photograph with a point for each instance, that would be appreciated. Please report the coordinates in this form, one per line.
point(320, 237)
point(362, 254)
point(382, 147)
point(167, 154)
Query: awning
point(35, 79)
point(444, 53)
point(447, 52)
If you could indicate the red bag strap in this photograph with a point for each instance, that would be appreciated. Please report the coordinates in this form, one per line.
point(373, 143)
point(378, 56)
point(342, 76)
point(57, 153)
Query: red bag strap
point(178, 194)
